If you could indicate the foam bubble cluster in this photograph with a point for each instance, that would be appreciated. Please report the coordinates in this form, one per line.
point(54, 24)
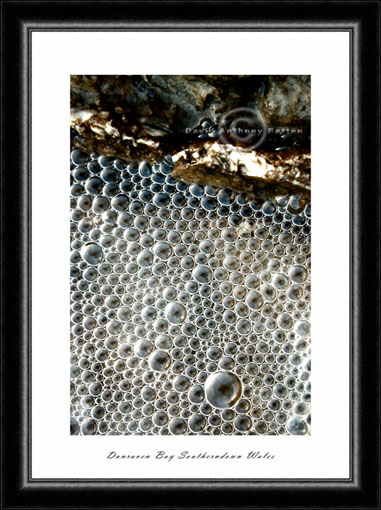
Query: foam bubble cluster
point(190, 305)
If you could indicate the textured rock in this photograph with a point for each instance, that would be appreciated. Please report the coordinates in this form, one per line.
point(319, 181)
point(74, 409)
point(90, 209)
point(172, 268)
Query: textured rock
point(264, 173)
point(147, 117)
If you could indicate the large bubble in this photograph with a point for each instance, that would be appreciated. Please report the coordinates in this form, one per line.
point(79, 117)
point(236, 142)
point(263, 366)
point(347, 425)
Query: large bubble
point(223, 389)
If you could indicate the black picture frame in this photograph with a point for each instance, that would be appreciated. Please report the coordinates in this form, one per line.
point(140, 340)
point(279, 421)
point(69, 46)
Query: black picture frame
point(361, 19)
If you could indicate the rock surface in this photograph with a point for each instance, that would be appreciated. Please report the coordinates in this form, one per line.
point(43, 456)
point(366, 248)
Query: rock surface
point(266, 174)
point(202, 121)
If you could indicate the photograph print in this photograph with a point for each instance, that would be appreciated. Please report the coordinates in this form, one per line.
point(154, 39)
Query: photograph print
point(190, 255)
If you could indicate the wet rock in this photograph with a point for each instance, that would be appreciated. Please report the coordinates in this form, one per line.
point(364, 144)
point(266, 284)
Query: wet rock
point(146, 117)
point(263, 173)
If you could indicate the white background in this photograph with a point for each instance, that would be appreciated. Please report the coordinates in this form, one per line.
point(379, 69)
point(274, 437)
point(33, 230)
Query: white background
point(325, 56)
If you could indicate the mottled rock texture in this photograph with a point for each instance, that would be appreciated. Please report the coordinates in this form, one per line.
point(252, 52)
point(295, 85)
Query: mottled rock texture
point(267, 174)
point(146, 117)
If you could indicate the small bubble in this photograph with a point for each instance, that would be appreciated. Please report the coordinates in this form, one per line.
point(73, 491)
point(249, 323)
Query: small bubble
point(254, 300)
point(162, 250)
point(89, 427)
point(92, 253)
point(298, 274)
point(302, 328)
point(79, 157)
point(196, 423)
point(202, 274)
point(297, 426)
point(159, 360)
point(175, 313)
point(177, 426)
